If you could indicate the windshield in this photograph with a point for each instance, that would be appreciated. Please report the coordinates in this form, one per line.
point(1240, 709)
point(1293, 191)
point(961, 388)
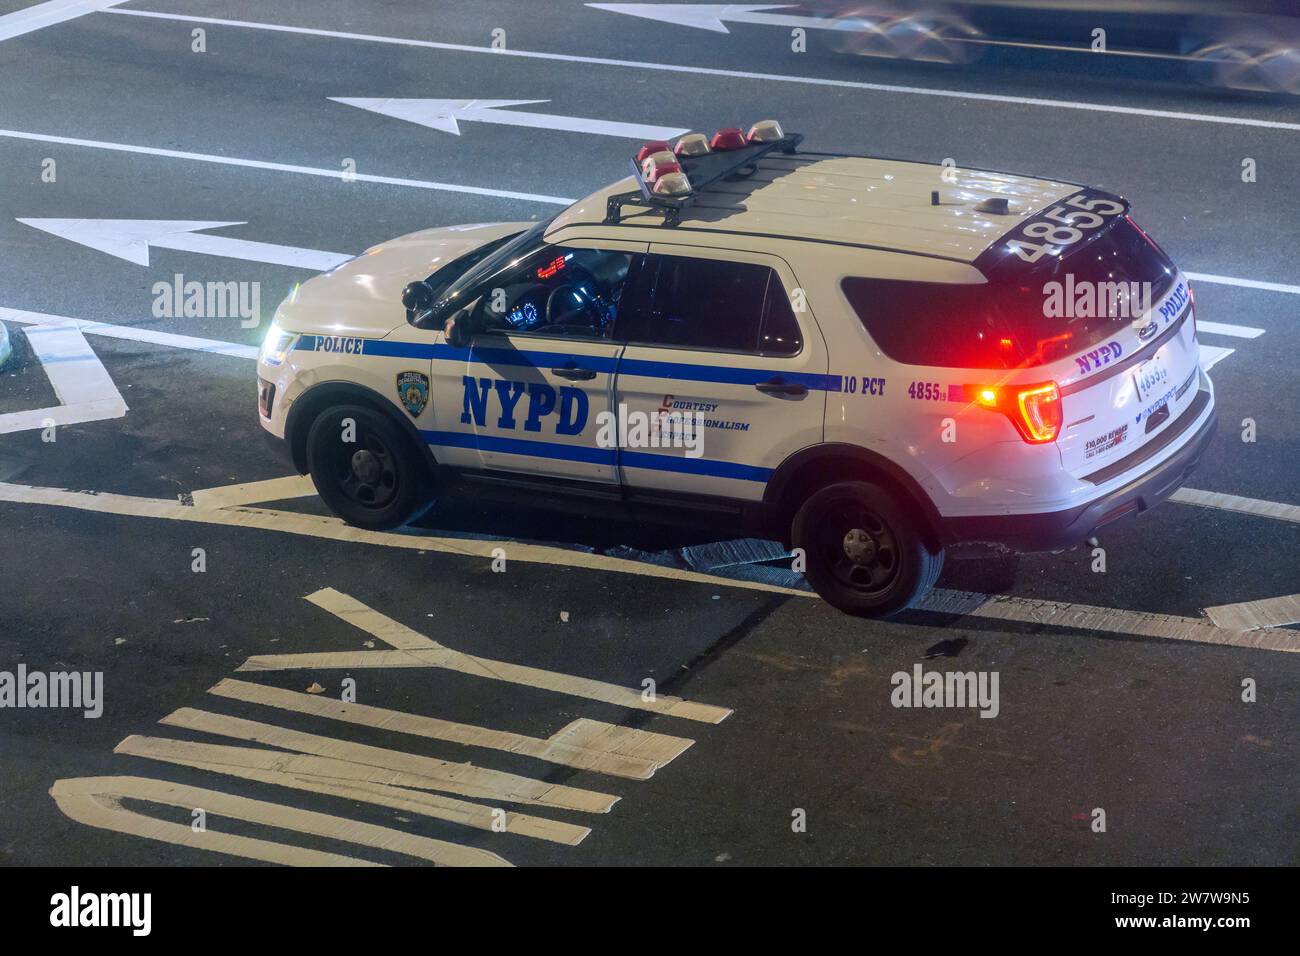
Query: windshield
point(456, 293)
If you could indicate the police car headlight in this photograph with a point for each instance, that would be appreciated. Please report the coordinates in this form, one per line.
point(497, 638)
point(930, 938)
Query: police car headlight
point(277, 344)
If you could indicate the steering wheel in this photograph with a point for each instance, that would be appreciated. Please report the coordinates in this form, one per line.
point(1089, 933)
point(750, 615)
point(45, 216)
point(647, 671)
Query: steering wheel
point(588, 306)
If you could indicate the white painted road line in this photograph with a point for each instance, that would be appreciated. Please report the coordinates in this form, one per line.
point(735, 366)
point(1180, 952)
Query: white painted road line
point(254, 492)
point(447, 115)
point(1252, 615)
point(429, 653)
point(131, 333)
point(335, 530)
point(339, 778)
point(1244, 283)
point(97, 802)
point(130, 239)
point(1212, 355)
point(1249, 506)
point(1222, 328)
point(1111, 620)
point(282, 167)
point(635, 754)
point(78, 377)
point(42, 15)
point(698, 70)
point(423, 773)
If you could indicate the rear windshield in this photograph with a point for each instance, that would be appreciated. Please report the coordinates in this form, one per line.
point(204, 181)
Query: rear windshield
point(1020, 317)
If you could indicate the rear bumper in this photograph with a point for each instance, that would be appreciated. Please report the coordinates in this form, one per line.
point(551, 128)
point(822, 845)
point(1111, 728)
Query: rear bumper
point(1060, 530)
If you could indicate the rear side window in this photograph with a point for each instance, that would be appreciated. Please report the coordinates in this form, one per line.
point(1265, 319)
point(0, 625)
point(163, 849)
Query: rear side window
point(714, 305)
point(1021, 317)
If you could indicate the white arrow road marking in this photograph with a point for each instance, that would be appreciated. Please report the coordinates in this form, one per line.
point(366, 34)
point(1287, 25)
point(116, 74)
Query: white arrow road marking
point(281, 167)
point(131, 333)
point(42, 15)
point(78, 377)
point(1252, 615)
point(419, 771)
point(130, 239)
point(716, 16)
point(342, 778)
point(583, 744)
point(97, 802)
point(447, 115)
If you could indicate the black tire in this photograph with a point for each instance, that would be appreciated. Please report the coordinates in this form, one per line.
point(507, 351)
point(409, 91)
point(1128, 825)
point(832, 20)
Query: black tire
point(882, 569)
point(379, 481)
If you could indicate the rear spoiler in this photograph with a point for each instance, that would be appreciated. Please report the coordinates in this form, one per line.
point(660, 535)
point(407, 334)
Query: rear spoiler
point(1057, 230)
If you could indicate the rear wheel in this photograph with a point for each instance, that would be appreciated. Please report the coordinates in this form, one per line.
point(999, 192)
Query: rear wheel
point(366, 468)
point(864, 554)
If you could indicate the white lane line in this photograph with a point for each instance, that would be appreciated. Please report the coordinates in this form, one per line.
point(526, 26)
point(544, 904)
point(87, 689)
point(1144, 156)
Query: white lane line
point(338, 778)
point(1252, 615)
point(429, 653)
point(42, 15)
point(1111, 620)
point(1212, 355)
point(595, 745)
point(1249, 506)
point(282, 167)
point(81, 383)
point(697, 70)
point(131, 333)
point(130, 239)
point(1244, 283)
point(424, 773)
point(1223, 328)
point(335, 530)
point(97, 802)
point(254, 492)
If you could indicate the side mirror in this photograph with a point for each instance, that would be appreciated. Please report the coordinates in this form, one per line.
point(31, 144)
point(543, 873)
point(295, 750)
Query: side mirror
point(417, 299)
point(459, 329)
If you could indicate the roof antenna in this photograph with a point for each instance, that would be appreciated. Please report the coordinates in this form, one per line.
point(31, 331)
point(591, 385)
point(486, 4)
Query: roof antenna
point(934, 197)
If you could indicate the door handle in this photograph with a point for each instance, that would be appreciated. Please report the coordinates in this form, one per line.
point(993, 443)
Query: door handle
point(574, 374)
point(777, 386)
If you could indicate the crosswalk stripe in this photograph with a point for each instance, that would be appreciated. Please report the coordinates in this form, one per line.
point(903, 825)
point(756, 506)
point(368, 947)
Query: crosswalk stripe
point(1252, 615)
point(340, 778)
point(635, 754)
point(425, 773)
point(97, 802)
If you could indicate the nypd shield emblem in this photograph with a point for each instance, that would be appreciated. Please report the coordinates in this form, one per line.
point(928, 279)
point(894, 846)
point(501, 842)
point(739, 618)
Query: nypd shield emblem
point(413, 390)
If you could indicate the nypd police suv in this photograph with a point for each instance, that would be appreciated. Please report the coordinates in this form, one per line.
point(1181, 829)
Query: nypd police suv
point(877, 361)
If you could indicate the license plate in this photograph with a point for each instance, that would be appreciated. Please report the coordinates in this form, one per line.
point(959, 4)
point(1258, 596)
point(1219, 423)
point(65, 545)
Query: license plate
point(1151, 377)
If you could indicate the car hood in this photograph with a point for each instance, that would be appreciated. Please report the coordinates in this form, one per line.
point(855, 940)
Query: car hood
point(363, 296)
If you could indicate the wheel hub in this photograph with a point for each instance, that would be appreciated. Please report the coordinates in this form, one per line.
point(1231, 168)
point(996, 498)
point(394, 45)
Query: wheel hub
point(366, 467)
point(859, 546)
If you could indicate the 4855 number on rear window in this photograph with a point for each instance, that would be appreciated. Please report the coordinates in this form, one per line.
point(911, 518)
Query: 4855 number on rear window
point(1063, 225)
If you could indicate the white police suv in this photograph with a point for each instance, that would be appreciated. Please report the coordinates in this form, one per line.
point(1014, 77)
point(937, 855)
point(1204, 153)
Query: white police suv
point(874, 360)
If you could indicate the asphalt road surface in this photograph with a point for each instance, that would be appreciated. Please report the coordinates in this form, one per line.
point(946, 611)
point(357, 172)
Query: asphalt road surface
point(140, 543)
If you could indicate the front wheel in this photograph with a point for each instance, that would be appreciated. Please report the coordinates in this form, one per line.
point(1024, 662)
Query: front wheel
point(864, 554)
point(366, 468)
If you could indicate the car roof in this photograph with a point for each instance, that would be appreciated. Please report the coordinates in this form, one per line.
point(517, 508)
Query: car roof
point(850, 200)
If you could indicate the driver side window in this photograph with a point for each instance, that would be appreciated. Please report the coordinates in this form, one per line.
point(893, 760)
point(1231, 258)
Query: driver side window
point(557, 291)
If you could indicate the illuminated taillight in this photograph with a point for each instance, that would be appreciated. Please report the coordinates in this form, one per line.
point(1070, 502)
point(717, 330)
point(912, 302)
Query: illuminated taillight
point(1035, 410)
point(1039, 411)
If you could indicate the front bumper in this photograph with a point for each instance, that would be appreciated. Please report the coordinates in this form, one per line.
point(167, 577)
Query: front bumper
point(1061, 530)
